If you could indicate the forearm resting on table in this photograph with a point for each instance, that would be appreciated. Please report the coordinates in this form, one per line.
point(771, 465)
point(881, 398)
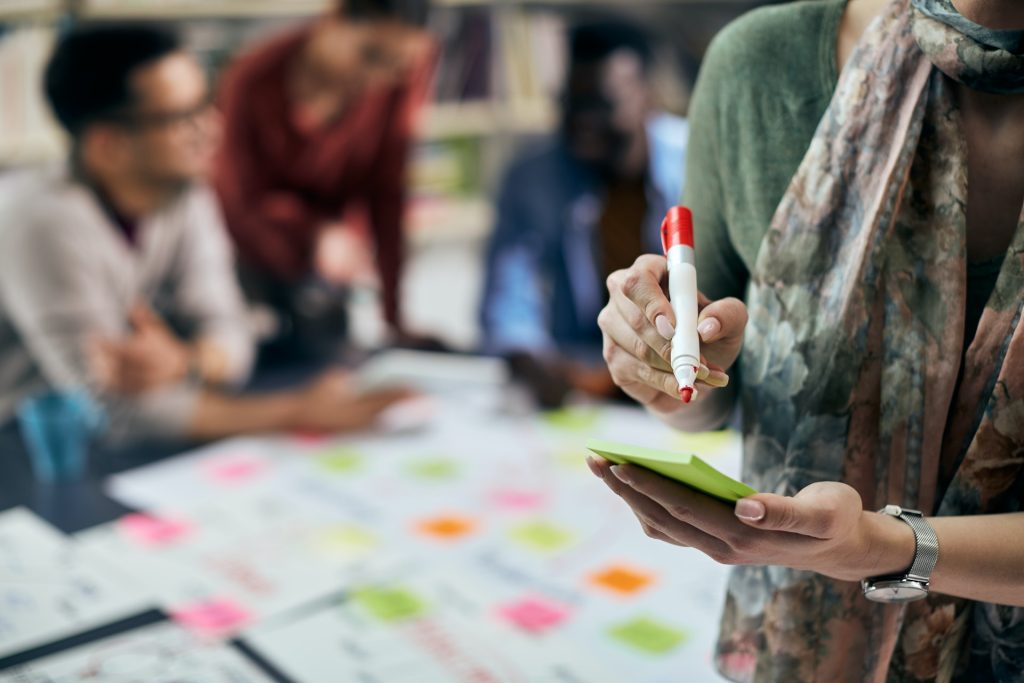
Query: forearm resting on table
point(981, 557)
point(220, 415)
point(710, 412)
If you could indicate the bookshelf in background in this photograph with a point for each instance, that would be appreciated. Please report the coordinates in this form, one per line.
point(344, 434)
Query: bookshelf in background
point(501, 68)
point(28, 133)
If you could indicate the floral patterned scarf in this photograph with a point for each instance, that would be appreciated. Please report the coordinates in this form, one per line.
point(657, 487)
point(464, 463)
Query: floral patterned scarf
point(850, 368)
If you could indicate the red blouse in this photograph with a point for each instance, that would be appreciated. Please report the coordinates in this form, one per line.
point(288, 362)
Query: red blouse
point(278, 186)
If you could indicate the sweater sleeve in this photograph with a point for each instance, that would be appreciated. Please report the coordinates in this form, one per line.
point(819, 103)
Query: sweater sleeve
point(56, 296)
point(720, 270)
point(208, 293)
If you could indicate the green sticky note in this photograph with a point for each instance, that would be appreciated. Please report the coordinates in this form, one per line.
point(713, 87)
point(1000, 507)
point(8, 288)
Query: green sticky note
point(541, 536)
point(434, 469)
point(648, 635)
point(572, 419)
point(390, 604)
point(707, 443)
point(685, 468)
point(341, 460)
point(571, 459)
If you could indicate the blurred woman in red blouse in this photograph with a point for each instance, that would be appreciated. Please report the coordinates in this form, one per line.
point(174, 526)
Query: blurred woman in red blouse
point(311, 175)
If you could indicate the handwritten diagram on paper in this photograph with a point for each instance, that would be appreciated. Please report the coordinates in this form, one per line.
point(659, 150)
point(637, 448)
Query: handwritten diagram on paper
point(505, 503)
point(420, 627)
point(221, 566)
point(50, 589)
point(160, 653)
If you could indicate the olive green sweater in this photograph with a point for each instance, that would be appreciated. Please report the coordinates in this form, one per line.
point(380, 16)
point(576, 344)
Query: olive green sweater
point(765, 84)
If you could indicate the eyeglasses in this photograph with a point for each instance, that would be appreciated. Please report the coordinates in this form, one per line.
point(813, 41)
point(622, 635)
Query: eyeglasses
point(139, 120)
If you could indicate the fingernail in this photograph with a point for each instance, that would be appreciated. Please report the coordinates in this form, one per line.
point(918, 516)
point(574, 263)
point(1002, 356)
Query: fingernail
point(592, 464)
point(665, 328)
point(708, 328)
point(621, 474)
point(752, 510)
point(717, 379)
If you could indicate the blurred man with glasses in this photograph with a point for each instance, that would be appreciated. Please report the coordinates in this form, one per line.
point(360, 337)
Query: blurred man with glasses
point(116, 272)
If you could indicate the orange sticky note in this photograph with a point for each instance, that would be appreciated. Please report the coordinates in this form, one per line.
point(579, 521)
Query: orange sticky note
point(622, 579)
point(447, 527)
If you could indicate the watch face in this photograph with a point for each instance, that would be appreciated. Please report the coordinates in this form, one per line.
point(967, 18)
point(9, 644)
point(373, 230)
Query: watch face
point(895, 591)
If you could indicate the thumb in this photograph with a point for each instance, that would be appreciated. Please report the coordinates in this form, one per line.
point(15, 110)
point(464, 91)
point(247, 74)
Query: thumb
point(819, 510)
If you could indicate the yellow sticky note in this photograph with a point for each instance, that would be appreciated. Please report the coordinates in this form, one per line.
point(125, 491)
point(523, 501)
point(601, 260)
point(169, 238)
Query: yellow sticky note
point(341, 460)
point(540, 535)
point(345, 540)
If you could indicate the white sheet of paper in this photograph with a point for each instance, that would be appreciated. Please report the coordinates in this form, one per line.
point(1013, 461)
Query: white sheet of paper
point(538, 521)
point(265, 553)
point(453, 636)
point(50, 590)
point(160, 653)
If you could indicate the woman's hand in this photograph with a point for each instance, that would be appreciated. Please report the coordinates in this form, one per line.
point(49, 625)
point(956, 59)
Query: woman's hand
point(824, 528)
point(638, 324)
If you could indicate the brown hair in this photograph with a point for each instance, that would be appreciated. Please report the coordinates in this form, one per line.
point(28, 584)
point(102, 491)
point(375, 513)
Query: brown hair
point(412, 12)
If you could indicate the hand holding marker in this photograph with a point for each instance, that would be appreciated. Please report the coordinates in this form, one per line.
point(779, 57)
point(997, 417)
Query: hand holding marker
point(677, 240)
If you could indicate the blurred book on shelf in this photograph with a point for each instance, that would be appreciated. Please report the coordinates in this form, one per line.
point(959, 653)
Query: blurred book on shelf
point(465, 68)
point(177, 9)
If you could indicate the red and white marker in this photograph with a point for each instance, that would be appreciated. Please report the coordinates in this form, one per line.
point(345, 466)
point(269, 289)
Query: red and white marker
point(677, 239)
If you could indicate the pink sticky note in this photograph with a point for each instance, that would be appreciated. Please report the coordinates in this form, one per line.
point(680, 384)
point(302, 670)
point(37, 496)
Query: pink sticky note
point(152, 531)
point(309, 438)
point(212, 618)
point(513, 499)
point(235, 469)
point(534, 614)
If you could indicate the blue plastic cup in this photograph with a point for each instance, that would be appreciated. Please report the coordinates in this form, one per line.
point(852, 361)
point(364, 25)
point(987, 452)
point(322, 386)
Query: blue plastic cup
point(57, 428)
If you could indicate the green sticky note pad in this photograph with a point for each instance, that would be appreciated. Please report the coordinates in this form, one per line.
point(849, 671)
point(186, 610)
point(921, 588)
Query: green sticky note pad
point(648, 635)
point(685, 468)
point(390, 604)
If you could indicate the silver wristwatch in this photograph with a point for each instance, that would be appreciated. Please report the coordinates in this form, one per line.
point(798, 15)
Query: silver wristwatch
point(912, 585)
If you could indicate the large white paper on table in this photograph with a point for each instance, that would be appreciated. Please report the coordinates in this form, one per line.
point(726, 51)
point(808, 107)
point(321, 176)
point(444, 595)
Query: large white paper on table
point(260, 553)
point(509, 502)
point(160, 653)
point(50, 590)
point(200, 476)
point(419, 626)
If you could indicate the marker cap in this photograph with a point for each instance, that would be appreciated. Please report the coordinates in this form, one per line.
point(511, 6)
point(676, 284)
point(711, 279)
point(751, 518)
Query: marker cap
point(677, 228)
